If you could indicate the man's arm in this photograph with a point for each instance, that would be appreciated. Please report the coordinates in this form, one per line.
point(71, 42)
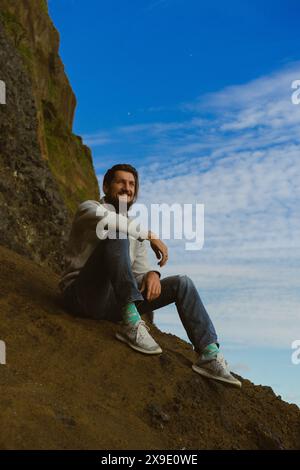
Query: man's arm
point(92, 215)
point(141, 265)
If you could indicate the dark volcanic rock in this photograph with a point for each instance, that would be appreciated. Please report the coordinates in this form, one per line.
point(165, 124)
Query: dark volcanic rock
point(45, 171)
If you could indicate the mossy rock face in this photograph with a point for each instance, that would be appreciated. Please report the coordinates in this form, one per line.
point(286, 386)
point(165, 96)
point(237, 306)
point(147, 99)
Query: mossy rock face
point(45, 170)
point(68, 157)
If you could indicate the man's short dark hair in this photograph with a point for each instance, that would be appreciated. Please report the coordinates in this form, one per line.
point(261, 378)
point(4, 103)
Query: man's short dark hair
point(109, 176)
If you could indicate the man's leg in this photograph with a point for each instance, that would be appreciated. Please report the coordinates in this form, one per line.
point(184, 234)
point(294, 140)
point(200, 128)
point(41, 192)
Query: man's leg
point(106, 289)
point(197, 323)
point(106, 283)
point(194, 317)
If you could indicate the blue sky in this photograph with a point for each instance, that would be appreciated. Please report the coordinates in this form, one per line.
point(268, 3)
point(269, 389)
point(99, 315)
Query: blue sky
point(198, 97)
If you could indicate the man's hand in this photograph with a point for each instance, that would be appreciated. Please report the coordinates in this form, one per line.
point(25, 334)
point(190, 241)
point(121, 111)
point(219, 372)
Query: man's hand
point(151, 284)
point(159, 248)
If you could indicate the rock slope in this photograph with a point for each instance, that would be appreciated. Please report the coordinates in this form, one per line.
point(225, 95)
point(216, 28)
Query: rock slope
point(69, 384)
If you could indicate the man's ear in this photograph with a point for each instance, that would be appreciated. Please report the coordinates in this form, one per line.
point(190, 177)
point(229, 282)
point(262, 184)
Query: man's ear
point(105, 188)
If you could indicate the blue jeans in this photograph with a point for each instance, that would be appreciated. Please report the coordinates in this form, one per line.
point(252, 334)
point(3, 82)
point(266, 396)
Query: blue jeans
point(106, 283)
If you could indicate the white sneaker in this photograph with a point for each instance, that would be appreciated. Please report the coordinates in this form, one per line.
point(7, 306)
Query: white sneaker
point(138, 338)
point(216, 368)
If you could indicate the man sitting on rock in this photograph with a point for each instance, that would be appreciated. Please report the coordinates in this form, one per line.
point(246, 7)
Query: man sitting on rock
point(110, 278)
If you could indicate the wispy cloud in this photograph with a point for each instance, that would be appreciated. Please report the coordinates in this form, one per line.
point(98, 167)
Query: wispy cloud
point(240, 367)
point(156, 4)
point(237, 151)
point(97, 139)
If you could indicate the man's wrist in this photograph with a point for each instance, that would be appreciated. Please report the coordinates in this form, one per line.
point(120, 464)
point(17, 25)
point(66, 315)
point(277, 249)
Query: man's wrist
point(146, 236)
point(154, 272)
point(152, 236)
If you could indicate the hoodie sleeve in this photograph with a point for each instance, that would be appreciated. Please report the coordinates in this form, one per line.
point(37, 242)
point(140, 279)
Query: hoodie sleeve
point(93, 216)
point(141, 265)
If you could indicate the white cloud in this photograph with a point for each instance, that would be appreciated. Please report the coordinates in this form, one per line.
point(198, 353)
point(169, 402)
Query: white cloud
point(242, 161)
point(97, 139)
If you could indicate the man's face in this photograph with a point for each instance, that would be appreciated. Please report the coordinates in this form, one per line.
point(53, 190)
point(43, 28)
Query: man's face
point(122, 188)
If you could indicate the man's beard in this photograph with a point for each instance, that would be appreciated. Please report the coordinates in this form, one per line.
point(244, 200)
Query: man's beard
point(120, 205)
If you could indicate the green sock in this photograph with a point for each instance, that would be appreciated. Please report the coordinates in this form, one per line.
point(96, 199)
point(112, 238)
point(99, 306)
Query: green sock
point(130, 313)
point(210, 351)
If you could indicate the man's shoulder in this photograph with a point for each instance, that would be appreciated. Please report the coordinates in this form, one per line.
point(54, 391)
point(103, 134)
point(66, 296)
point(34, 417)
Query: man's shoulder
point(90, 206)
point(89, 203)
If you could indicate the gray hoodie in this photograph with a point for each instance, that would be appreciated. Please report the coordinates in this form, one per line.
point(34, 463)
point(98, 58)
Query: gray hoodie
point(83, 240)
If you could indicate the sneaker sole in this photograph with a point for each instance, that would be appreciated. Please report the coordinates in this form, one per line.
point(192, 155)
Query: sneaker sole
point(203, 372)
point(137, 348)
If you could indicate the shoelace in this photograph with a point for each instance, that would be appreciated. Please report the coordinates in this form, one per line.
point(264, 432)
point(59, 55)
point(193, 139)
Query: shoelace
point(222, 362)
point(140, 331)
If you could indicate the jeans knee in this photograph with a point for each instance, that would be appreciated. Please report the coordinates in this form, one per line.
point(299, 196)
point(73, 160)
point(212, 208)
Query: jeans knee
point(184, 279)
point(185, 283)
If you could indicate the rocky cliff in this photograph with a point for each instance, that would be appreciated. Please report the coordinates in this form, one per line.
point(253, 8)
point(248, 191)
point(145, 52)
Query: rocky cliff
point(45, 170)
